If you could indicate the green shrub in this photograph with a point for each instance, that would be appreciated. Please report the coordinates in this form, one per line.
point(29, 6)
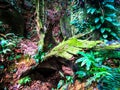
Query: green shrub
point(100, 17)
point(24, 80)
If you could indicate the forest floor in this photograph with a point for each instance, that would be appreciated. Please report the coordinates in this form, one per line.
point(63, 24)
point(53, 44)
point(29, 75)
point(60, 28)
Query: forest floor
point(40, 80)
point(44, 76)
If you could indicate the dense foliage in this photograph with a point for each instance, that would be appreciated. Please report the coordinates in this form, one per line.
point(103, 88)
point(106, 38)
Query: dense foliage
point(99, 16)
point(77, 39)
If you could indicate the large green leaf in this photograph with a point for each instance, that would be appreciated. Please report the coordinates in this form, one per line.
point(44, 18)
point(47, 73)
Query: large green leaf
point(110, 6)
point(97, 20)
point(91, 10)
point(108, 19)
point(111, 15)
point(67, 49)
point(102, 30)
point(116, 24)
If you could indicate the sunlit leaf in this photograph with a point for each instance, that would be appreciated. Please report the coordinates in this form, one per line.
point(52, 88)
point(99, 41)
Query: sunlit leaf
point(108, 29)
point(60, 83)
point(98, 26)
point(88, 10)
point(116, 24)
point(92, 28)
point(97, 20)
point(61, 74)
point(93, 10)
point(81, 74)
point(99, 59)
point(88, 64)
point(109, 0)
point(111, 15)
point(3, 43)
point(105, 35)
point(108, 19)
point(110, 6)
point(24, 80)
point(80, 60)
point(115, 35)
point(102, 30)
point(6, 50)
